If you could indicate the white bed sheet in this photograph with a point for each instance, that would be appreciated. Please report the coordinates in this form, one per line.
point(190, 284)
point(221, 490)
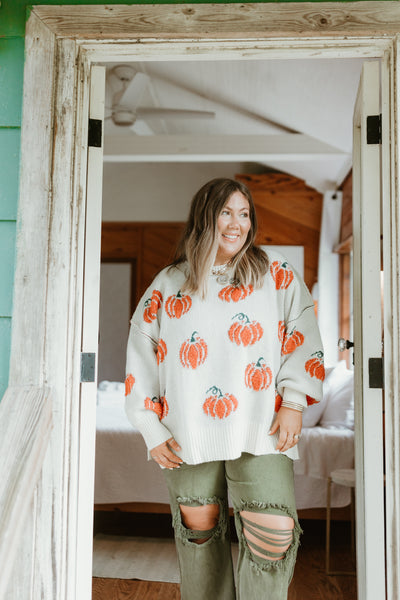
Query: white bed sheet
point(322, 451)
point(124, 474)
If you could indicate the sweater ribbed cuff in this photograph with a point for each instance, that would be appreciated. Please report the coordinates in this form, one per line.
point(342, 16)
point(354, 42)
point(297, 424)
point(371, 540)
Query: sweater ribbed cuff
point(294, 399)
point(154, 434)
point(149, 425)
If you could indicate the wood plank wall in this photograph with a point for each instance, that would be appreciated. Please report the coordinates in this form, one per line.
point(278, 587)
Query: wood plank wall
point(344, 249)
point(346, 227)
point(289, 213)
point(150, 245)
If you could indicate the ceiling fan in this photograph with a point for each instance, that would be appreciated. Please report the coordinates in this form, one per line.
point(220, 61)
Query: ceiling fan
point(125, 89)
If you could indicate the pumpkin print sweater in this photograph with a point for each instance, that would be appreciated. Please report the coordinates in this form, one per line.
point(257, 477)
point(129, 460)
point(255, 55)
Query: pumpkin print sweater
point(212, 372)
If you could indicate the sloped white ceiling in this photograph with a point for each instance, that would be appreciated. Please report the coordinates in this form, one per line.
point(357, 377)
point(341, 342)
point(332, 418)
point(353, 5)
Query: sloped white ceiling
point(252, 98)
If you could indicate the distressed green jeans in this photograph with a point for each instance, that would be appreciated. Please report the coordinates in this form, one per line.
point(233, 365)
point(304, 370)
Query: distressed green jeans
point(261, 489)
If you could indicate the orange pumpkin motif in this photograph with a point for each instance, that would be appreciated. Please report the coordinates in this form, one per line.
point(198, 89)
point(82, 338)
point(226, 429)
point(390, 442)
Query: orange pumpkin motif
point(161, 351)
point(235, 292)
point(315, 366)
point(278, 401)
point(152, 305)
point(245, 332)
point(291, 341)
point(281, 274)
point(157, 405)
point(176, 306)
point(258, 376)
point(218, 404)
point(281, 331)
point(129, 383)
point(311, 400)
point(193, 351)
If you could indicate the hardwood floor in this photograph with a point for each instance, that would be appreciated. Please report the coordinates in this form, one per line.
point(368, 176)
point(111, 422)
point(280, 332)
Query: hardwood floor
point(126, 589)
point(309, 582)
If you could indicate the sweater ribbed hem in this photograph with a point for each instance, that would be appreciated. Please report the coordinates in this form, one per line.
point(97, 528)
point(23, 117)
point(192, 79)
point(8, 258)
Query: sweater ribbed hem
point(229, 444)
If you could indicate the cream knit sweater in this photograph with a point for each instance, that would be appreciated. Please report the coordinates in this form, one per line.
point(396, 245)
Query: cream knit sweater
point(212, 372)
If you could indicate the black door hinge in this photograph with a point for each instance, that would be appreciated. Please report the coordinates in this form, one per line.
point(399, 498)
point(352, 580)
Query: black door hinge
point(374, 129)
point(88, 365)
point(375, 373)
point(95, 132)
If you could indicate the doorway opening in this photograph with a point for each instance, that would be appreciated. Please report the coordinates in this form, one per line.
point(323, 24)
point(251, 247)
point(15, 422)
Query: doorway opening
point(147, 191)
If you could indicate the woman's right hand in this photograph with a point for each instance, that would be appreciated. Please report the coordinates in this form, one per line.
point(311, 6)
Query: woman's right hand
point(163, 454)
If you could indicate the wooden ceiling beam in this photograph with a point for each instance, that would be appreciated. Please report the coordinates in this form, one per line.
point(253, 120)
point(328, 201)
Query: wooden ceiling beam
point(222, 148)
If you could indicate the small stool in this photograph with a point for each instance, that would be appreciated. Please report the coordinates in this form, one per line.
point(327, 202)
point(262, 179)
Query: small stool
point(345, 477)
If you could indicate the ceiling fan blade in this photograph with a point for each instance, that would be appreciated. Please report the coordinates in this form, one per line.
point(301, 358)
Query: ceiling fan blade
point(134, 91)
point(218, 98)
point(141, 128)
point(173, 113)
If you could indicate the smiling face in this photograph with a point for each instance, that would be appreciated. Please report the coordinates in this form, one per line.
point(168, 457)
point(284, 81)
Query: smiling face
point(233, 225)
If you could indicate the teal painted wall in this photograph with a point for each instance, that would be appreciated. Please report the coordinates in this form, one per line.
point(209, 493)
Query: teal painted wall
point(11, 77)
point(12, 28)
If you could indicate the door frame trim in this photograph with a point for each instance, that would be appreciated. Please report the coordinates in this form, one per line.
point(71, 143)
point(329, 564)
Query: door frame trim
point(61, 44)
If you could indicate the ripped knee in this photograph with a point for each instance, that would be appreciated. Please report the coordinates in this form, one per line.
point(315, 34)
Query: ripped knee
point(268, 536)
point(199, 520)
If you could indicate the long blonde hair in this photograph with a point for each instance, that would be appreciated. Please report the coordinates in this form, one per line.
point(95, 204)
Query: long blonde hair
point(199, 242)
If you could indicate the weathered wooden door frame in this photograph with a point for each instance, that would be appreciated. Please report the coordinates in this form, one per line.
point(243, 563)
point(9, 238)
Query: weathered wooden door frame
point(61, 44)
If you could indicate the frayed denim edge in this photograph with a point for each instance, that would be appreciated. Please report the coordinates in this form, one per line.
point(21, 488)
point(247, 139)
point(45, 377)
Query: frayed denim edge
point(289, 558)
point(184, 534)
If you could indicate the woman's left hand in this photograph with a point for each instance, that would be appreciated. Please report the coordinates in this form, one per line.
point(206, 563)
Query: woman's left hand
point(289, 422)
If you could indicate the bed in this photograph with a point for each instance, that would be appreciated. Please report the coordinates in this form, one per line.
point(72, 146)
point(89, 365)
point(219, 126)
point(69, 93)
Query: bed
point(125, 476)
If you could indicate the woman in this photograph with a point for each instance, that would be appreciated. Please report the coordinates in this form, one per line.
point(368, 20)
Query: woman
point(223, 355)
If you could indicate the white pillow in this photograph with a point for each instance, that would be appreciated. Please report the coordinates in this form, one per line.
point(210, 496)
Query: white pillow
point(339, 397)
point(110, 393)
point(312, 414)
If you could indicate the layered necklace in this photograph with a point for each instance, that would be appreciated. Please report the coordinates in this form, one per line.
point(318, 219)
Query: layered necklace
point(219, 269)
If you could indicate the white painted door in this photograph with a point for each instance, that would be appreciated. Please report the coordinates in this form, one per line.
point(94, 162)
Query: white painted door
point(368, 337)
point(90, 328)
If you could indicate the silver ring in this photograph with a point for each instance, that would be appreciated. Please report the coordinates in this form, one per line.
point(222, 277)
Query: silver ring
point(296, 436)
